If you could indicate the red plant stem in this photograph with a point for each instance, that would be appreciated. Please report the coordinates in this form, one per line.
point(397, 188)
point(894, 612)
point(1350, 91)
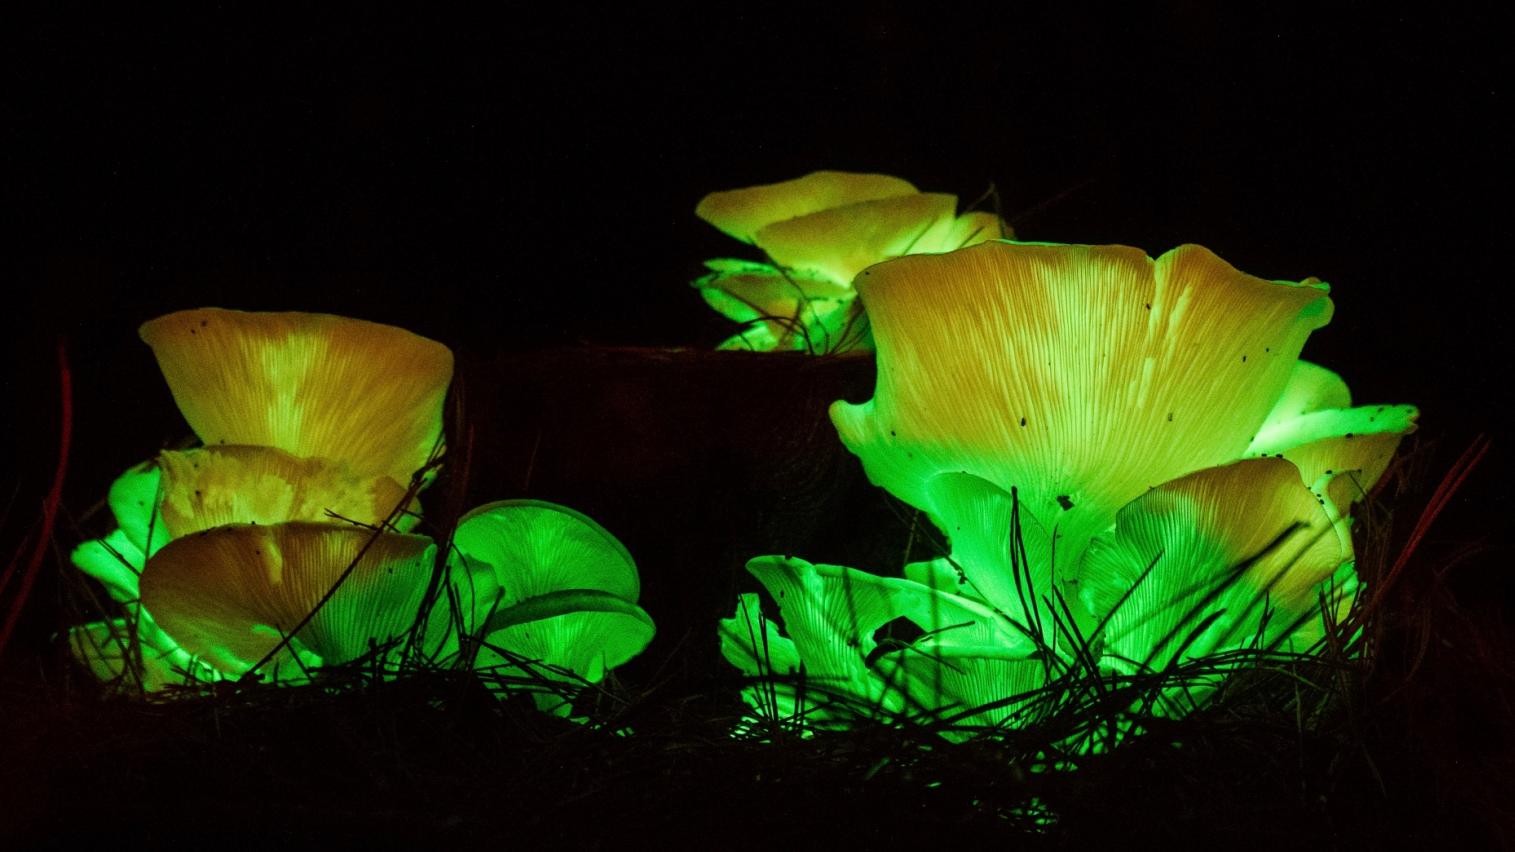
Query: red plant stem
point(1449, 486)
point(44, 534)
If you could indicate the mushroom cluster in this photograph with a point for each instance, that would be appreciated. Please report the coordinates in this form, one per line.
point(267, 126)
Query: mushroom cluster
point(818, 232)
point(1132, 465)
point(287, 541)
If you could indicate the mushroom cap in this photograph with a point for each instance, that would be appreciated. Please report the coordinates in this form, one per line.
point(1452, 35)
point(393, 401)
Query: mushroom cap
point(315, 385)
point(229, 594)
point(1245, 546)
point(216, 486)
point(547, 583)
point(1077, 376)
point(514, 550)
point(587, 633)
point(117, 559)
point(1340, 450)
point(741, 213)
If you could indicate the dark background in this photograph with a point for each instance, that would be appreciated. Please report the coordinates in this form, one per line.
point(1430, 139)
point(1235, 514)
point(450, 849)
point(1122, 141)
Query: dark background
point(508, 185)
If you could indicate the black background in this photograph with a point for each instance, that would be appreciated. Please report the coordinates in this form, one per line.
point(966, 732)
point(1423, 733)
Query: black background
point(504, 184)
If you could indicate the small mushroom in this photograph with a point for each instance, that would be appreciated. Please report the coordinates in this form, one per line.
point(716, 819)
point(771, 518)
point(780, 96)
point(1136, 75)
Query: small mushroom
point(819, 231)
point(544, 582)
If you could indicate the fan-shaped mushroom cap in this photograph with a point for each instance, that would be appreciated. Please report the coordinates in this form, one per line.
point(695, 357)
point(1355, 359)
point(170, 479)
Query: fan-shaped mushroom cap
point(1340, 450)
point(1237, 544)
point(314, 385)
point(821, 230)
point(521, 549)
point(587, 633)
point(743, 212)
point(229, 594)
point(548, 583)
point(117, 560)
point(1078, 375)
point(221, 485)
point(134, 655)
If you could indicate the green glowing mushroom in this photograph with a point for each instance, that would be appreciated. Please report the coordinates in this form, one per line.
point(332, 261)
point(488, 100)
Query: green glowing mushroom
point(1133, 469)
point(1071, 379)
point(135, 655)
point(317, 386)
point(818, 232)
point(230, 595)
point(541, 582)
point(184, 492)
point(1224, 559)
point(837, 663)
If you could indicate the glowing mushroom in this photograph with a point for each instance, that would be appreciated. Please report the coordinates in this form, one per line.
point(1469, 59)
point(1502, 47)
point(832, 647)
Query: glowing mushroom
point(231, 595)
point(835, 664)
point(1340, 450)
point(545, 583)
point(1071, 377)
point(317, 386)
point(819, 231)
point(1224, 559)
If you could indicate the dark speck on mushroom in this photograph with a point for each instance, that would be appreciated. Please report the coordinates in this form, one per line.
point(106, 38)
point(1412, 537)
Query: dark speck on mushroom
point(1065, 501)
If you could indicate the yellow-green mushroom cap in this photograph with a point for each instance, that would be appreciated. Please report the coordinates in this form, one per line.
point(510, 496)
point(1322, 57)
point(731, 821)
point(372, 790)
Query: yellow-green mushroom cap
point(545, 582)
point(1079, 376)
point(741, 213)
point(1340, 450)
point(820, 231)
point(134, 656)
point(117, 559)
point(831, 615)
point(1225, 558)
point(228, 595)
point(216, 486)
point(314, 385)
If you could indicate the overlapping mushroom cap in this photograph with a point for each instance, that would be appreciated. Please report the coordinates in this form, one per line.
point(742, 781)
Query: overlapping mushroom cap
point(819, 231)
point(543, 582)
point(307, 417)
point(833, 667)
point(1068, 380)
point(231, 595)
point(317, 386)
point(1133, 468)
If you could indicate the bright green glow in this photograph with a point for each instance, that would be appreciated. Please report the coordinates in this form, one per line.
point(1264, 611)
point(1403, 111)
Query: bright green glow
point(539, 581)
point(273, 547)
point(1074, 419)
point(820, 231)
point(834, 666)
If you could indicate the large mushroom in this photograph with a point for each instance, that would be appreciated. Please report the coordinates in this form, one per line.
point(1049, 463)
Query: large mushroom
point(1064, 381)
point(317, 386)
